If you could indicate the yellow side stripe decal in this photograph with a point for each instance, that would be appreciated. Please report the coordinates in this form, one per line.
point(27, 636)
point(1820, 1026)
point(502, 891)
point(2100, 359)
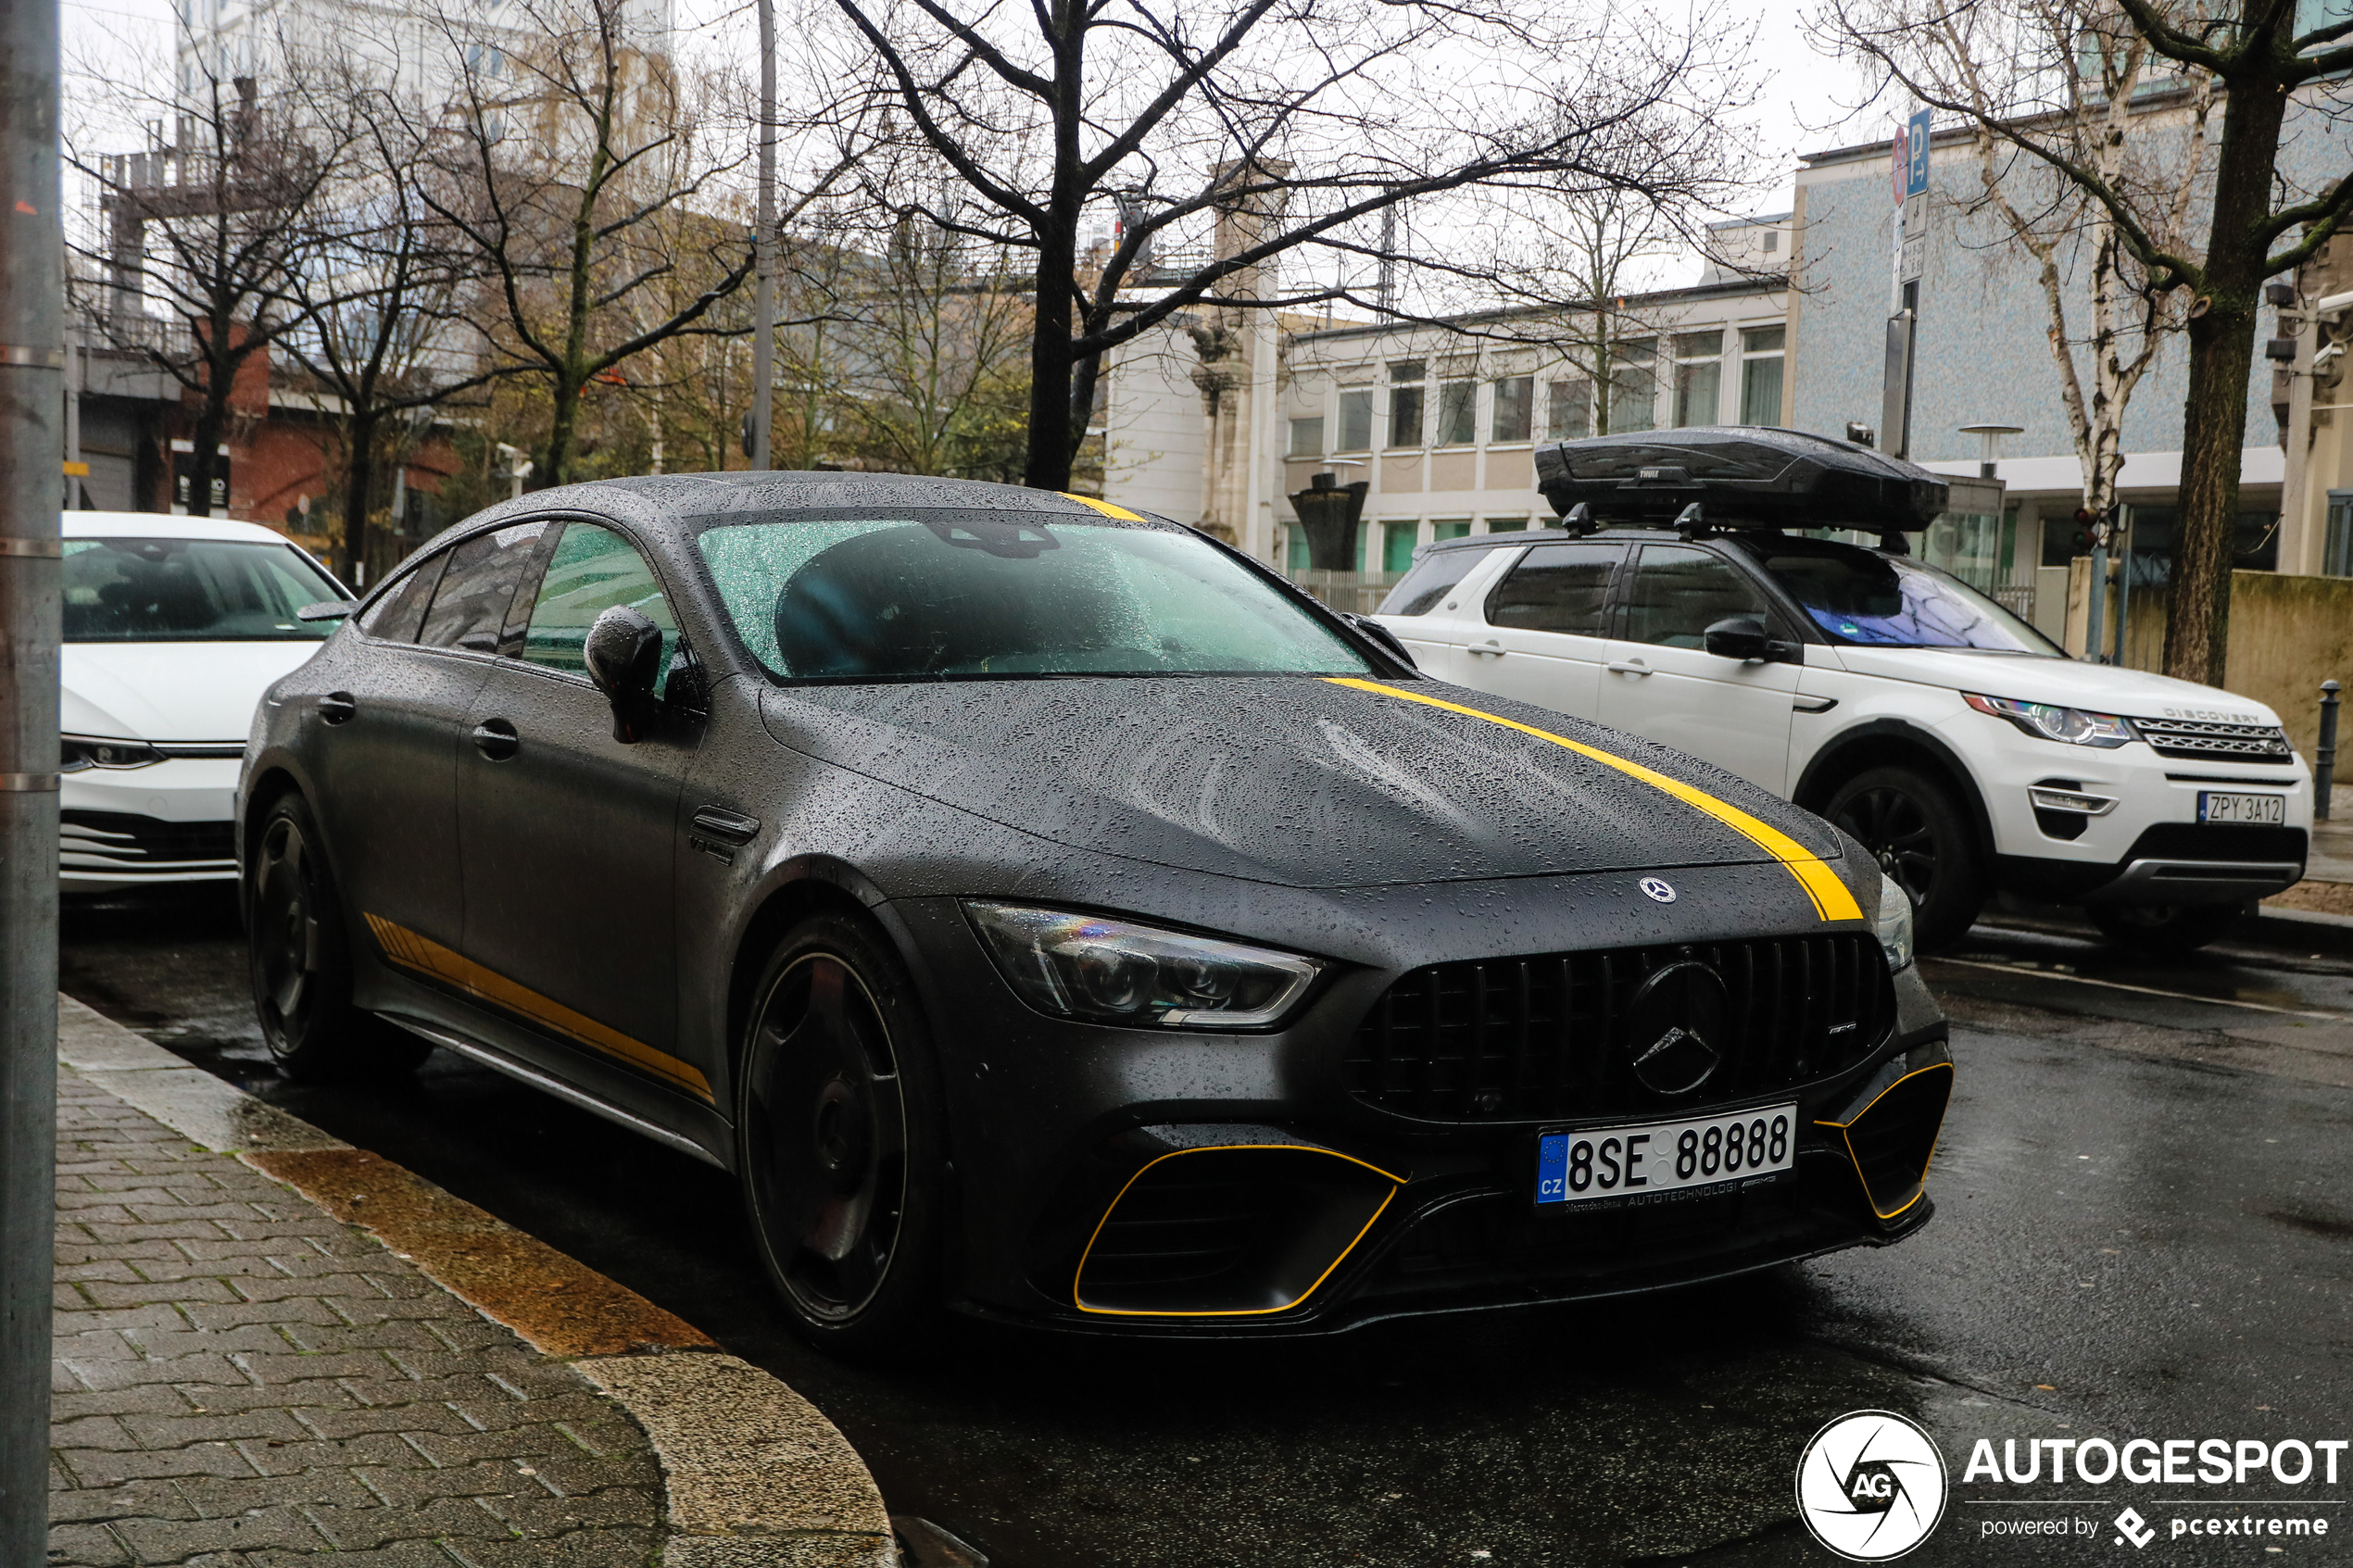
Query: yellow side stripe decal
point(1830, 899)
point(425, 956)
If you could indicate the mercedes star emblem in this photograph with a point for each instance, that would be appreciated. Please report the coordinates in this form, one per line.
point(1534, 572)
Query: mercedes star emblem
point(1658, 888)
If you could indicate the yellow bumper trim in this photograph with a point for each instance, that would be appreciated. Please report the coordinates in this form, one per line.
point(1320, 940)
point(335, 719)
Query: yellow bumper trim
point(1848, 1138)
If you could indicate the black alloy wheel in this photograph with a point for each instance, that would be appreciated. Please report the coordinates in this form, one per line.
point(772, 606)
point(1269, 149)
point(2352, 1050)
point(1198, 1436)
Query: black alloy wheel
point(2169, 930)
point(1912, 828)
point(837, 1144)
point(301, 962)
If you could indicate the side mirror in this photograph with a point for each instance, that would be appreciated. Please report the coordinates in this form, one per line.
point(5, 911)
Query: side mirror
point(1741, 636)
point(623, 656)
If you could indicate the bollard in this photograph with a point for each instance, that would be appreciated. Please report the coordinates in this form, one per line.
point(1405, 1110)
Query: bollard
point(2324, 754)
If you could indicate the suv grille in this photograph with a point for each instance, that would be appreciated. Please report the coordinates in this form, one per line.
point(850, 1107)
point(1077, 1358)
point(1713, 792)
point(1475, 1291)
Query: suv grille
point(1540, 1038)
point(2194, 738)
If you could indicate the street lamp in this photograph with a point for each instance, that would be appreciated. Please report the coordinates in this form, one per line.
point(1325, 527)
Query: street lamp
point(1990, 452)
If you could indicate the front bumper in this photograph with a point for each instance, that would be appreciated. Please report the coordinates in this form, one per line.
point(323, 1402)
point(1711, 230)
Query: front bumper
point(141, 827)
point(1182, 1184)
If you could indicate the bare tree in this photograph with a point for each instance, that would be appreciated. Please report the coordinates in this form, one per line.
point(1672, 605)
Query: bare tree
point(1310, 118)
point(570, 162)
point(382, 298)
point(211, 227)
point(2258, 222)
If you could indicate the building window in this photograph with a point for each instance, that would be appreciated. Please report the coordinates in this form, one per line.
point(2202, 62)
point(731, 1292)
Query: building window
point(1307, 437)
point(1773, 240)
point(1514, 407)
point(1457, 413)
point(1633, 386)
point(1506, 525)
point(1761, 375)
point(1356, 420)
point(1568, 410)
point(2336, 549)
point(1296, 557)
point(1449, 528)
point(1699, 377)
point(1397, 541)
point(1406, 403)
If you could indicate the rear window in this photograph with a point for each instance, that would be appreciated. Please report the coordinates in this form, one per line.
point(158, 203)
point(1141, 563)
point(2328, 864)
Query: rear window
point(191, 591)
point(1422, 588)
point(955, 595)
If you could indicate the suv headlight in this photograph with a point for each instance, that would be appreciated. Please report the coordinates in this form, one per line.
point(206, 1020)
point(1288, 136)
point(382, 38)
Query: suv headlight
point(2070, 726)
point(1894, 923)
point(1113, 972)
point(78, 752)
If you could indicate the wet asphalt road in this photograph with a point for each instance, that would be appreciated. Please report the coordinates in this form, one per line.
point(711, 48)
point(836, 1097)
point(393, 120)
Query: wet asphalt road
point(2143, 1229)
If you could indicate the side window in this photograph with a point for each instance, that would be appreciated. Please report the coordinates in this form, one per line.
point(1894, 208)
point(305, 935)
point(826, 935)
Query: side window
point(592, 570)
point(1427, 584)
point(1558, 588)
point(396, 616)
point(1678, 591)
point(469, 605)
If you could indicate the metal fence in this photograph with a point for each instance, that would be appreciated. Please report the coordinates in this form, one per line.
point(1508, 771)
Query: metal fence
point(1357, 593)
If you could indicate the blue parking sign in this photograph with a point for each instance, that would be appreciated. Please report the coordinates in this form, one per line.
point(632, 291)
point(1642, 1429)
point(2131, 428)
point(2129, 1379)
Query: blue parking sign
point(1916, 150)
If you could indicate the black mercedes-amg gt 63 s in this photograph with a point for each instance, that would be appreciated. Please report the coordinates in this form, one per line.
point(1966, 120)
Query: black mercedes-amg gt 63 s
point(1050, 914)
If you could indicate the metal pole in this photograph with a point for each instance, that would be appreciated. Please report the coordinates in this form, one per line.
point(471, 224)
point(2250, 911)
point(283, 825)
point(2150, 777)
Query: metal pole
point(2096, 607)
point(2324, 754)
point(2123, 581)
point(31, 460)
point(763, 293)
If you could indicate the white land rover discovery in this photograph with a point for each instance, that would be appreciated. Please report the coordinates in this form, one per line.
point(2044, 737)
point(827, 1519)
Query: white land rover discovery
point(1960, 746)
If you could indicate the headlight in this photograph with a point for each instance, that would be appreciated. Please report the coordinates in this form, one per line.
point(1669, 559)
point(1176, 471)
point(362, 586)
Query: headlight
point(1894, 922)
point(2069, 725)
point(78, 752)
point(1112, 972)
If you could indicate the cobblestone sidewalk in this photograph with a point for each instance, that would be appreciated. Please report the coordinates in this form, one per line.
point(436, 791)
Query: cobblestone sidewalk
point(241, 1379)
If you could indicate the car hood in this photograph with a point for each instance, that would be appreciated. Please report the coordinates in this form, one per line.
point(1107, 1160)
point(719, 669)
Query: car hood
point(2069, 682)
point(1301, 781)
point(169, 691)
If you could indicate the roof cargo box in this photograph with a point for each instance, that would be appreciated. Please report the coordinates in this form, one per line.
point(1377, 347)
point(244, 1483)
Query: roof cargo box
point(1739, 475)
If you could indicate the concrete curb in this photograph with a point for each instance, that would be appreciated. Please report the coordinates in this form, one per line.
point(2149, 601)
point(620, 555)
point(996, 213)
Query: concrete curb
point(754, 1475)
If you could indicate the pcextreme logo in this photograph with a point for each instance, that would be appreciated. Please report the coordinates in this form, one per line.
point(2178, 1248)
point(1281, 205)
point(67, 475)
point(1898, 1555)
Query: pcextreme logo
point(1871, 1485)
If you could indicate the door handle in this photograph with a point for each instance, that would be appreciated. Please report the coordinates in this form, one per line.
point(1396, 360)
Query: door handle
point(495, 739)
point(338, 707)
point(1629, 667)
point(1490, 647)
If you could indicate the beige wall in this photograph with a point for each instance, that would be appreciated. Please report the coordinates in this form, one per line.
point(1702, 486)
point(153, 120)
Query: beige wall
point(2288, 636)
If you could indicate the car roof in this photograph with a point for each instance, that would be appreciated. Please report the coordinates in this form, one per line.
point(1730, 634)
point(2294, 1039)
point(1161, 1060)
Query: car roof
point(159, 525)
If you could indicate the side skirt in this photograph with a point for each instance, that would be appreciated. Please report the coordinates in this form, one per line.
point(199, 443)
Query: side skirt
point(500, 1062)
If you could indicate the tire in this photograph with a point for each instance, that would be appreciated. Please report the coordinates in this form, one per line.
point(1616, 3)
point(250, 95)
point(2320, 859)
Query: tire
point(839, 1140)
point(1916, 832)
point(2169, 929)
point(300, 960)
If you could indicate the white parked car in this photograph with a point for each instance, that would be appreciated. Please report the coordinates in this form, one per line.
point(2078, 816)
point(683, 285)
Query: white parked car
point(174, 626)
point(1963, 747)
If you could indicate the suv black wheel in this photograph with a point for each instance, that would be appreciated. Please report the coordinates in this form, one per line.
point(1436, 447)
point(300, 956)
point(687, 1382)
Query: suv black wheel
point(840, 1138)
point(300, 957)
point(1913, 828)
point(2164, 928)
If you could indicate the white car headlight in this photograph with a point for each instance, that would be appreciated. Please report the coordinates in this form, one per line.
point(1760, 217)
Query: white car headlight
point(2070, 726)
point(82, 752)
point(1894, 923)
point(1114, 972)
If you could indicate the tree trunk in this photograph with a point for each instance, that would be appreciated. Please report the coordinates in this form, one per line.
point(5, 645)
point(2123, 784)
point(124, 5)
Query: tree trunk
point(359, 484)
point(552, 472)
point(1051, 360)
point(212, 418)
point(2214, 416)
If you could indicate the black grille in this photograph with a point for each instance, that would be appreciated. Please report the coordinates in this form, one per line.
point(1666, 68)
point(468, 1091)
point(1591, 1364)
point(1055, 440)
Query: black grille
point(1540, 1038)
point(2215, 742)
point(1184, 1221)
point(132, 839)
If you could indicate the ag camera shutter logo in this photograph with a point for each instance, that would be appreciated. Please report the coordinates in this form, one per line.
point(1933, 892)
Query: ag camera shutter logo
point(1871, 1485)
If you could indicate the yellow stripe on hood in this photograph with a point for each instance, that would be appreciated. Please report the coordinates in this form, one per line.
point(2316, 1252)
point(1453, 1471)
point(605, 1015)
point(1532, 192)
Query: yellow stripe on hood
point(1830, 899)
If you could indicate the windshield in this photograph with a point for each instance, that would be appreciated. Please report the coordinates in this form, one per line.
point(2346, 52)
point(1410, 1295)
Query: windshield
point(1859, 595)
point(191, 591)
point(939, 595)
